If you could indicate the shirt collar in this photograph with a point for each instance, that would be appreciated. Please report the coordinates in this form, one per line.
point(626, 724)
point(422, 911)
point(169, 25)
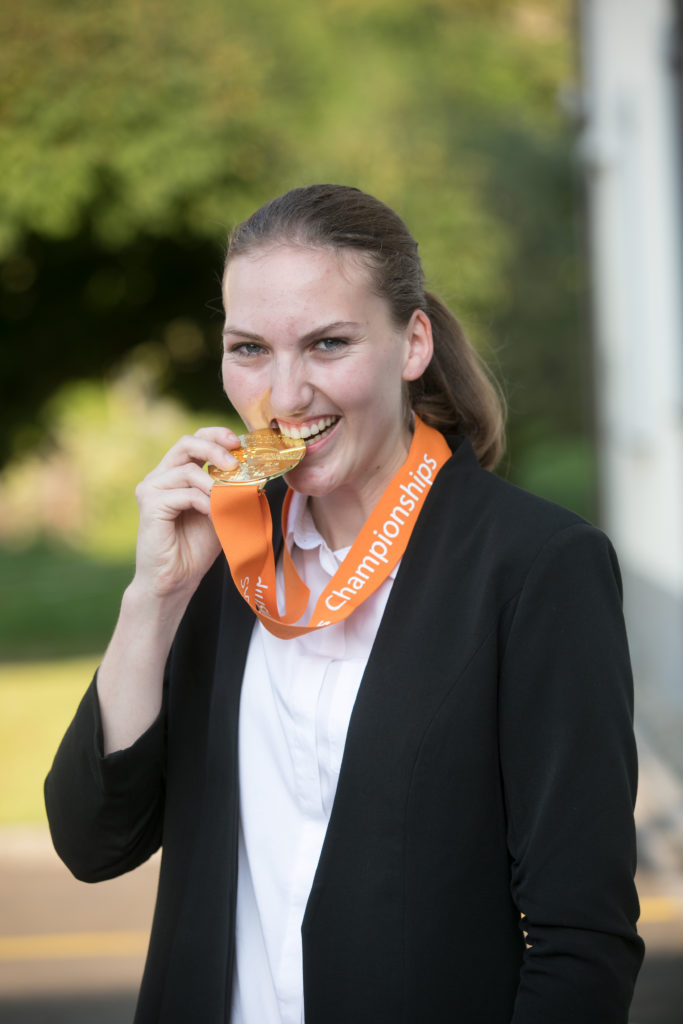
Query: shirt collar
point(303, 533)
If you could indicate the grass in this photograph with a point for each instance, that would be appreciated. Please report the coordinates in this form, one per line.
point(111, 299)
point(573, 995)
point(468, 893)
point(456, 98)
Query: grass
point(56, 602)
point(37, 702)
point(57, 611)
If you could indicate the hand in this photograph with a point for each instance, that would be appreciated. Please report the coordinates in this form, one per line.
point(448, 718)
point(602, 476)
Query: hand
point(177, 543)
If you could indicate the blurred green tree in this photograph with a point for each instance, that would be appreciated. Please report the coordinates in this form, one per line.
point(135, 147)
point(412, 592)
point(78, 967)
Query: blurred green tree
point(132, 135)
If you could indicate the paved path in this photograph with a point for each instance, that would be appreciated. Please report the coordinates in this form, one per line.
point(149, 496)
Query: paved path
point(69, 952)
point(659, 816)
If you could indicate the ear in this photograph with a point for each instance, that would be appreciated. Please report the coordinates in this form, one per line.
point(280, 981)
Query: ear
point(420, 347)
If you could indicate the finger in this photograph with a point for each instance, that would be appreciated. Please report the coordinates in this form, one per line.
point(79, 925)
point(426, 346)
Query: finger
point(201, 449)
point(182, 499)
point(221, 435)
point(153, 492)
point(187, 475)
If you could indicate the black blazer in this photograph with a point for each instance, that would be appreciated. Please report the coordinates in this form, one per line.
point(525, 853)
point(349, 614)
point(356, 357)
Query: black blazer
point(489, 771)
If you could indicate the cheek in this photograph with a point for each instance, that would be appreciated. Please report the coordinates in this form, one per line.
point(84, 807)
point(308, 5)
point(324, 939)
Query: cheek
point(238, 386)
point(248, 395)
point(350, 384)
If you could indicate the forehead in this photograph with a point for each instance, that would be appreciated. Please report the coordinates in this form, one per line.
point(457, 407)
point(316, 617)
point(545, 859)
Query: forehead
point(296, 271)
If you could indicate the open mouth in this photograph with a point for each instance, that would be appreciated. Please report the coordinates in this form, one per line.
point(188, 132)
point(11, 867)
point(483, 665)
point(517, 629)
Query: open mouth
point(309, 432)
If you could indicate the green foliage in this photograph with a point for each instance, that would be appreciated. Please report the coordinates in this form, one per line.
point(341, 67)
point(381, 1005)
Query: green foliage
point(56, 602)
point(159, 118)
point(562, 469)
point(132, 135)
point(137, 110)
point(68, 515)
point(105, 437)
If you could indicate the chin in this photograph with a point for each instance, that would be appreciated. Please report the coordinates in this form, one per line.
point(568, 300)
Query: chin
point(305, 483)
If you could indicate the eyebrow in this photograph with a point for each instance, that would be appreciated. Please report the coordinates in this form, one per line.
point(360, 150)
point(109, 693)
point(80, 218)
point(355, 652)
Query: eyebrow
point(325, 331)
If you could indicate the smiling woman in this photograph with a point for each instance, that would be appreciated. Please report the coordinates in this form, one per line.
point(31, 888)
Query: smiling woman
point(397, 699)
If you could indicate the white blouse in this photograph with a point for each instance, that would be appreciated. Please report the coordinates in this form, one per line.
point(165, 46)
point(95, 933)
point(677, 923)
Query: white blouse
point(297, 699)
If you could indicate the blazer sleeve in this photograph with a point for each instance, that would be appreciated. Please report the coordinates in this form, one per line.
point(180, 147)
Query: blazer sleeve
point(105, 813)
point(569, 770)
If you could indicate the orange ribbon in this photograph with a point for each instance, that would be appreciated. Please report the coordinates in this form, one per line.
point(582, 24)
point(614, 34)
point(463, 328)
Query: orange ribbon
point(242, 520)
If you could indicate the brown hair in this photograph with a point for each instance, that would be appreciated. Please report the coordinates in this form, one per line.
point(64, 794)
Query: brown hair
point(456, 393)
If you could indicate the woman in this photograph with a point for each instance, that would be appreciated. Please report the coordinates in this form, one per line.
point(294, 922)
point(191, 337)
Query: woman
point(422, 811)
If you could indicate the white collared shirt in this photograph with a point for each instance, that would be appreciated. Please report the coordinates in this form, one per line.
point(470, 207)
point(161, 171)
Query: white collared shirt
point(297, 698)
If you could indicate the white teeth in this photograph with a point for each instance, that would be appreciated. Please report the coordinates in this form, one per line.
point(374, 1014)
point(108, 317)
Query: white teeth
point(308, 430)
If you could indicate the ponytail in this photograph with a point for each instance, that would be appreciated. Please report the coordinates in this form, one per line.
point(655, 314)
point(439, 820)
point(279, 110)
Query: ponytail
point(456, 393)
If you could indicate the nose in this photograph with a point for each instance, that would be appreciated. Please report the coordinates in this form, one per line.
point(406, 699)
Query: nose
point(291, 393)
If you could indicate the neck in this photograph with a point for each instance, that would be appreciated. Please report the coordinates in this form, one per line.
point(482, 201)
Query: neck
point(340, 518)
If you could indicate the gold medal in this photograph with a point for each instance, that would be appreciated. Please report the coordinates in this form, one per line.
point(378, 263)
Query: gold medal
point(264, 455)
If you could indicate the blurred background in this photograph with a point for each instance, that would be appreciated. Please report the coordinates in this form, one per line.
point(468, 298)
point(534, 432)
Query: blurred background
point(533, 147)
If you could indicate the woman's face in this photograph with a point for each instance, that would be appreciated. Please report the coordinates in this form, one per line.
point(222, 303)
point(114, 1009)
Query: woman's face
point(308, 346)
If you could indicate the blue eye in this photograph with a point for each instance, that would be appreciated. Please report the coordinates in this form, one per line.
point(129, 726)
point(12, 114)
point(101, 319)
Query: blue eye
point(246, 348)
point(330, 344)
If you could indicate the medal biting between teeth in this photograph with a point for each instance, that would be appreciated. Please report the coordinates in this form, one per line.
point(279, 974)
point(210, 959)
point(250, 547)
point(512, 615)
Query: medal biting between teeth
point(264, 455)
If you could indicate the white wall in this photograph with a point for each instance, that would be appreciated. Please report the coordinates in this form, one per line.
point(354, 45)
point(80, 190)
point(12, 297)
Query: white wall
point(630, 146)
